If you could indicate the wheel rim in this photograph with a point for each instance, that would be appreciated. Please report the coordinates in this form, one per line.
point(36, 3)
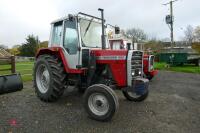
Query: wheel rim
point(98, 104)
point(133, 95)
point(42, 78)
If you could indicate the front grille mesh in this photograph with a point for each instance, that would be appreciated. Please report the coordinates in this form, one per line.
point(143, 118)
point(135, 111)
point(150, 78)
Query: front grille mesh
point(136, 63)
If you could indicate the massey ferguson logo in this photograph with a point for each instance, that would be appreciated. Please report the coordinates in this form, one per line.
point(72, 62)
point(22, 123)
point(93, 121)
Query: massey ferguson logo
point(111, 57)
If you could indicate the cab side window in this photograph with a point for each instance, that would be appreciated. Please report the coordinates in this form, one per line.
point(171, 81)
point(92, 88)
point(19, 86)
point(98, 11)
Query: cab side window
point(57, 33)
point(71, 37)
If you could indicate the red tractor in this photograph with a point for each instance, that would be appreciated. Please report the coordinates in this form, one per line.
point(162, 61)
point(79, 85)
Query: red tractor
point(148, 60)
point(77, 55)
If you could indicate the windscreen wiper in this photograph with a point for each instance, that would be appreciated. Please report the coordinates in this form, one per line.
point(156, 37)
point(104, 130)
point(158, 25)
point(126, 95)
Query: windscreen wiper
point(88, 27)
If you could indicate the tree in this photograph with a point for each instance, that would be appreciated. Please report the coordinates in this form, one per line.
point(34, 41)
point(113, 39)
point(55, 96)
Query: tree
point(153, 45)
point(3, 46)
point(136, 34)
point(197, 34)
point(196, 46)
point(189, 34)
point(29, 48)
point(43, 44)
point(15, 50)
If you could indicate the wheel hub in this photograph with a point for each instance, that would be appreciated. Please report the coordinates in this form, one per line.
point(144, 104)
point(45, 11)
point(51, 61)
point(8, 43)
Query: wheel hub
point(98, 104)
point(42, 78)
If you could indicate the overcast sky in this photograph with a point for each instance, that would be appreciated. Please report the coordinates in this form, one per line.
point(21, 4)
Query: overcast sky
point(19, 18)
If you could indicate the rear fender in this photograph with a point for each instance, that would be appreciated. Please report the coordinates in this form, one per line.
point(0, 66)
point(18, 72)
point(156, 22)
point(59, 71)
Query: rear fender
point(59, 53)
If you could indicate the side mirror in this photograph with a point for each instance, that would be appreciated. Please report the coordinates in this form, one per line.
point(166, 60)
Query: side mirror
point(117, 30)
point(71, 17)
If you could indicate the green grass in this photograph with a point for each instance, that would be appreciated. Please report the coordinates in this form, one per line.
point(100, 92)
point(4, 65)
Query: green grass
point(24, 68)
point(187, 68)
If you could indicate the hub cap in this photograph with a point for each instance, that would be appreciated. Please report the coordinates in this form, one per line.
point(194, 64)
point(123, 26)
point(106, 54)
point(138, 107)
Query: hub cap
point(42, 78)
point(98, 104)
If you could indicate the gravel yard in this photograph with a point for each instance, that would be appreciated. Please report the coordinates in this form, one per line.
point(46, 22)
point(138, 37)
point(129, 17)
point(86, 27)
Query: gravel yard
point(173, 105)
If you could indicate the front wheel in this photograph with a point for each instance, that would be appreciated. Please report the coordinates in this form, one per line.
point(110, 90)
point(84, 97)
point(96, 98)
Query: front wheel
point(100, 102)
point(131, 96)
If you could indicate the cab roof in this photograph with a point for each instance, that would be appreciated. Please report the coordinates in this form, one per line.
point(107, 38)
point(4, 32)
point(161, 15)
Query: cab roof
point(80, 15)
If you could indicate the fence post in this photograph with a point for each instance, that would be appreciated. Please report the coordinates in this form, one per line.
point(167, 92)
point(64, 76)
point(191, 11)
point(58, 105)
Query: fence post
point(13, 68)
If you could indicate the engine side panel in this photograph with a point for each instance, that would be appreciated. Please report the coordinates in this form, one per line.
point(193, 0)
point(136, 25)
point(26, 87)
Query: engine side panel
point(116, 59)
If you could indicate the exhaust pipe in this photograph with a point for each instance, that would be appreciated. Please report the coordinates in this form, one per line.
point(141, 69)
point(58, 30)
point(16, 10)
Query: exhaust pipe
point(10, 83)
point(103, 29)
point(129, 46)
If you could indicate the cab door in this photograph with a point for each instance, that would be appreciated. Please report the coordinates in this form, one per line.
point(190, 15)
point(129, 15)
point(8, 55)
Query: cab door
point(71, 43)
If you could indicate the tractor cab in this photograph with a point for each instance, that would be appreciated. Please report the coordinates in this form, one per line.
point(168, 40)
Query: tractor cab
point(73, 34)
point(76, 35)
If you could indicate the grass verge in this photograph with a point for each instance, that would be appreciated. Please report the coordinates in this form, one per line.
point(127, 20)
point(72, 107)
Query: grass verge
point(24, 68)
point(187, 68)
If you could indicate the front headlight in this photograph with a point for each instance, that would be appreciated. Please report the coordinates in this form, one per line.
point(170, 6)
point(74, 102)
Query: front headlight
point(133, 73)
point(140, 72)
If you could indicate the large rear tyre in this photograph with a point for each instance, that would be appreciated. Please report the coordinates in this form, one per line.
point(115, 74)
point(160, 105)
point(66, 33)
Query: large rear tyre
point(49, 78)
point(134, 97)
point(100, 102)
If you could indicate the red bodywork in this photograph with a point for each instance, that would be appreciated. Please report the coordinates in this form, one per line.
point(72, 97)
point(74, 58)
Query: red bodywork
point(59, 53)
point(146, 68)
point(115, 59)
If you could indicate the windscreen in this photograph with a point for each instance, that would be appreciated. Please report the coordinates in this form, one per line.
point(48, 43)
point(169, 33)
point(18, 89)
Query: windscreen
point(90, 33)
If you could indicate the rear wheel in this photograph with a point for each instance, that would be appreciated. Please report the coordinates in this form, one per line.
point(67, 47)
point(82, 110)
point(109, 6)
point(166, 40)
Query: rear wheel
point(131, 96)
point(100, 102)
point(149, 77)
point(49, 78)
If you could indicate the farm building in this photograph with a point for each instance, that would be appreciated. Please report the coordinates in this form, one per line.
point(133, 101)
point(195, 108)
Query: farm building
point(4, 53)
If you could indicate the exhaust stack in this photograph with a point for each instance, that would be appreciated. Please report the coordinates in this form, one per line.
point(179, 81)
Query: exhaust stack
point(103, 29)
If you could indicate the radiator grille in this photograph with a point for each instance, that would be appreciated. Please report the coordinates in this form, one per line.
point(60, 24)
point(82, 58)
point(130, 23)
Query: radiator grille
point(136, 64)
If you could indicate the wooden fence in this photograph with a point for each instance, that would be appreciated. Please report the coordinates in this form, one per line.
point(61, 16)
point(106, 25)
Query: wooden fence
point(8, 60)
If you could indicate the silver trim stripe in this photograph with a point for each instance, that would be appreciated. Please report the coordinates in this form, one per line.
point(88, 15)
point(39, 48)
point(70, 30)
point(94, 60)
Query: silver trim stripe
point(111, 57)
